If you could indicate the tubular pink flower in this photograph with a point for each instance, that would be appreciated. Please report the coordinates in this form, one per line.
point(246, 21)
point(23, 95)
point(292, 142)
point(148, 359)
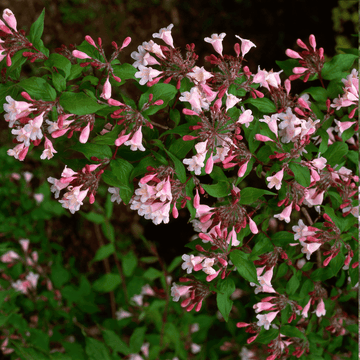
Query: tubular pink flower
point(135, 142)
point(80, 55)
point(84, 135)
point(275, 180)
point(216, 41)
point(9, 256)
point(285, 214)
point(165, 35)
point(242, 169)
point(146, 74)
point(49, 150)
point(306, 309)
point(231, 101)
point(10, 19)
point(246, 45)
point(266, 320)
point(320, 309)
point(253, 227)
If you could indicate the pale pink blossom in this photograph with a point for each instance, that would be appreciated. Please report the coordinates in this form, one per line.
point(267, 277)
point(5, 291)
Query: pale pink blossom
point(33, 127)
point(9, 257)
point(306, 309)
point(285, 214)
point(146, 74)
point(151, 46)
point(246, 45)
point(232, 238)
point(265, 78)
point(275, 180)
point(32, 278)
point(49, 150)
point(72, 200)
point(267, 319)
point(301, 231)
point(246, 117)
point(308, 249)
point(264, 281)
point(231, 101)
point(200, 75)
point(263, 306)
point(195, 348)
point(138, 299)
point(309, 197)
point(135, 142)
point(115, 194)
point(24, 244)
point(122, 314)
point(319, 163)
point(343, 125)
point(193, 97)
point(16, 109)
point(165, 35)
point(39, 198)
point(320, 309)
point(178, 291)
point(21, 286)
point(271, 122)
point(147, 290)
point(216, 41)
point(57, 186)
point(80, 55)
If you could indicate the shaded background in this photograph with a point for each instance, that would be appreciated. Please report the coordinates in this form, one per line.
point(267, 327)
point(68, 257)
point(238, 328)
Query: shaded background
point(273, 26)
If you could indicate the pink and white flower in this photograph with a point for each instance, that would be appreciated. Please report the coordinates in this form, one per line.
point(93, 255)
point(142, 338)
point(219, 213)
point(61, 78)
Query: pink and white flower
point(165, 35)
point(146, 74)
point(135, 142)
point(216, 41)
point(267, 319)
point(275, 180)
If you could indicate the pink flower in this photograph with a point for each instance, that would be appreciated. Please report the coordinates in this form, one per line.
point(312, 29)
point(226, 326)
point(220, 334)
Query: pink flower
point(310, 200)
point(32, 278)
point(308, 249)
point(178, 291)
point(122, 314)
point(106, 93)
point(165, 35)
point(271, 122)
point(57, 186)
point(189, 262)
point(285, 214)
point(231, 101)
point(266, 320)
point(263, 306)
point(264, 138)
point(252, 225)
point(216, 41)
point(24, 244)
point(33, 127)
point(16, 109)
point(115, 194)
point(246, 45)
point(232, 238)
point(121, 139)
point(320, 309)
point(135, 142)
point(246, 118)
point(146, 74)
point(49, 150)
point(342, 126)
point(306, 309)
point(9, 256)
point(265, 78)
point(275, 180)
point(73, 199)
point(209, 165)
point(200, 75)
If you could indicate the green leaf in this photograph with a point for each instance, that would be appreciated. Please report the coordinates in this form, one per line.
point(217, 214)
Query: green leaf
point(249, 195)
point(96, 349)
point(181, 148)
point(129, 263)
point(124, 72)
point(266, 336)
point(175, 116)
point(93, 217)
point(265, 105)
point(75, 350)
point(318, 93)
point(338, 64)
point(59, 276)
point(122, 169)
point(292, 285)
point(60, 62)
point(282, 238)
point(301, 173)
point(79, 103)
point(137, 339)
point(337, 263)
point(90, 149)
point(322, 274)
point(173, 334)
point(224, 303)
point(179, 167)
point(37, 29)
point(38, 88)
point(262, 246)
point(336, 153)
point(218, 190)
point(152, 274)
point(114, 342)
point(104, 252)
point(244, 266)
point(165, 92)
point(107, 283)
point(292, 331)
point(58, 81)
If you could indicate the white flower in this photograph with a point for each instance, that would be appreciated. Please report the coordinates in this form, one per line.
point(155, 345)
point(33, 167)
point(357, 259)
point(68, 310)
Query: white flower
point(115, 194)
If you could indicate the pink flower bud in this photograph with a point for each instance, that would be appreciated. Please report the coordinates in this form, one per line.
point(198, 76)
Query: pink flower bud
point(84, 136)
point(115, 102)
point(299, 70)
point(260, 137)
point(10, 19)
point(189, 112)
point(116, 78)
point(301, 44)
point(293, 54)
point(80, 55)
point(287, 84)
point(106, 93)
point(126, 42)
point(312, 41)
point(189, 137)
point(209, 165)
point(90, 40)
point(175, 212)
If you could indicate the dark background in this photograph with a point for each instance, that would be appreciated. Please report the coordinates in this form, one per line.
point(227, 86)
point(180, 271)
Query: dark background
point(273, 25)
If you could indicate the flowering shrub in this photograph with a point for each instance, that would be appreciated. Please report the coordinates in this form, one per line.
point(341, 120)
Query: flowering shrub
point(270, 182)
